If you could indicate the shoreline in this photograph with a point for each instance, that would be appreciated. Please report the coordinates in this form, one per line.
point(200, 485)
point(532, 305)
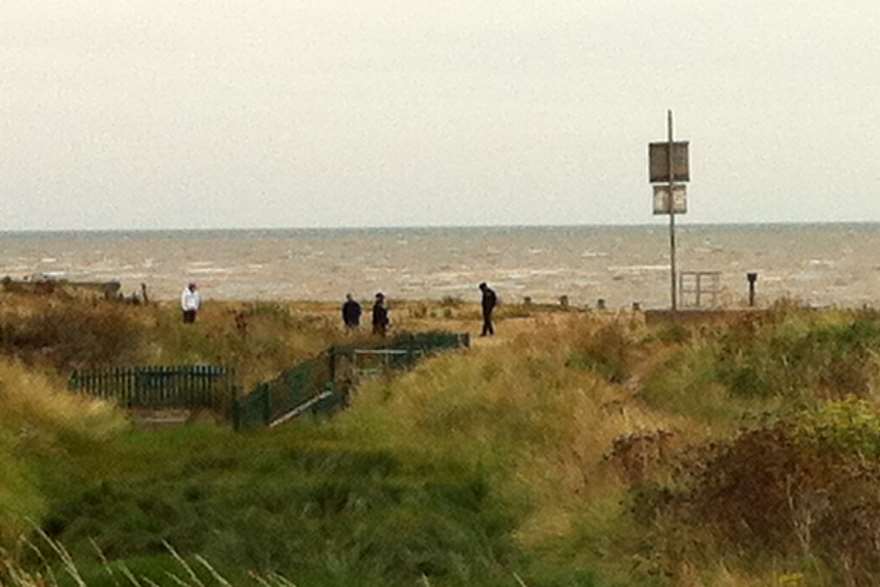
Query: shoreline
point(202, 231)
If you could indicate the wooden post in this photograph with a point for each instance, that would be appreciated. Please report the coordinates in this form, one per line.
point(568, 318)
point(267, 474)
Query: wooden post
point(752, 277)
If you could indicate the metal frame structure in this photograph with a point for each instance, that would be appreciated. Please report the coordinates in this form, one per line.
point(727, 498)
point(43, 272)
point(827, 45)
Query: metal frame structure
point(698, 281)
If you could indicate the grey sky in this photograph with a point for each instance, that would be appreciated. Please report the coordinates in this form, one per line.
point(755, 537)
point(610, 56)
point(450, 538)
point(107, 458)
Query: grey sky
point(248, 113)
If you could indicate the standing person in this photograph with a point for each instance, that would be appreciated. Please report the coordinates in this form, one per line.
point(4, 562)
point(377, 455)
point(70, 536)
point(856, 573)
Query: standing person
point(490, 300)
point(380, 315)
point(351, 313)
point(190, 301)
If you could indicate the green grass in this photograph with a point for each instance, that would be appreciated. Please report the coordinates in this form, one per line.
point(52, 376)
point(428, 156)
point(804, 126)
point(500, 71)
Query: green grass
point(578, 453)
point(304, 502)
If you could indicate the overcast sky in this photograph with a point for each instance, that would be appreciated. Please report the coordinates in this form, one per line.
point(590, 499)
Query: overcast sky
point(281, 113)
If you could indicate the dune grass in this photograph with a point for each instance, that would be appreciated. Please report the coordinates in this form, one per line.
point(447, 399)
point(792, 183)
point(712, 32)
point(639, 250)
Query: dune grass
point(575, 449)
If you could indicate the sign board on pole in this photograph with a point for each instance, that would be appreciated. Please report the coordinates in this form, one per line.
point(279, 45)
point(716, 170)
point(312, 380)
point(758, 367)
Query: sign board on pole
point(661, 198)
point(658, 156)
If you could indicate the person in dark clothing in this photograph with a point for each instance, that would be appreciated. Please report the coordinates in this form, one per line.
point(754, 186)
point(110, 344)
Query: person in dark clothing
point(351, 313)
point(380, 316)
point(490, 300)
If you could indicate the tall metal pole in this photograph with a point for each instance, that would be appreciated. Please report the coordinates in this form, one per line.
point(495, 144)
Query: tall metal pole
point(671, 217)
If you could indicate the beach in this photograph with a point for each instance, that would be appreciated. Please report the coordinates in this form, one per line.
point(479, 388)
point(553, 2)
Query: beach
point(818, 264)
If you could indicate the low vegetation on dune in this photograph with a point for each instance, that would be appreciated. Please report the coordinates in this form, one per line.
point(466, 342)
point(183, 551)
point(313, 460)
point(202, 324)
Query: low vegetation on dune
point(577, 449)
point(259, 339)
point(39, 420)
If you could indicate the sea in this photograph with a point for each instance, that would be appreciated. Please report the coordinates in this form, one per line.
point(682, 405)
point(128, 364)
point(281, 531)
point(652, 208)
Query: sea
point(817, 264)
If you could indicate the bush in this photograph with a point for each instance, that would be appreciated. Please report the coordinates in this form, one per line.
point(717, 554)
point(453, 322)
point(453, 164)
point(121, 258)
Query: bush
point(609, 350)
point(674, 333)
point(803, 486)
point(451, 301)
point(758, 359)
point(72, 335)
point(776, 360)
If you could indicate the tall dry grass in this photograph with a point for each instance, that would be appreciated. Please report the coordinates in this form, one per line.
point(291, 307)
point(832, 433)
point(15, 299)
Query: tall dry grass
point(40, 420)
point(531, 411)
point(58, 568)
point(607, 445)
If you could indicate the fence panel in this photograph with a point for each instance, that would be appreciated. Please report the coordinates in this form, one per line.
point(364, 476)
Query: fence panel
point(312, 386)
point(156, 387)
point(250, 411)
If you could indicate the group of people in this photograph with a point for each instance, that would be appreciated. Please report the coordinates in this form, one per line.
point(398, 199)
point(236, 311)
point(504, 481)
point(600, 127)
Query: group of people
point(351, 312)
point(191, 301)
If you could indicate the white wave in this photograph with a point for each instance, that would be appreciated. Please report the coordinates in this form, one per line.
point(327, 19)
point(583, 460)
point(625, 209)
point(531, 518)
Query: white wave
point(210, 271)
point(637, 268)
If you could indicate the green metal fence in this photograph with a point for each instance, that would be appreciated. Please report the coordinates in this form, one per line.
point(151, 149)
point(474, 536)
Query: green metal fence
point(159, 387)
point(316, 386)
point(273, 401)
point(420, 343)
point(313, 386)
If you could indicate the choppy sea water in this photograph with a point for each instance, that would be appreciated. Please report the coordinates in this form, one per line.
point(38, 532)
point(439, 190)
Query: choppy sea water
point(820, 264)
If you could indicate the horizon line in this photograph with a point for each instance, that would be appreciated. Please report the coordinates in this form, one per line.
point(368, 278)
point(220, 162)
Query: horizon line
point(434, 227)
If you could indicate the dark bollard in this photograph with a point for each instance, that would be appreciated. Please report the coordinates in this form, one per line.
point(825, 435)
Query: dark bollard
point(563, 301)
point(752, 277)
point(527, 300)
point(600, 304)
point(637, 307)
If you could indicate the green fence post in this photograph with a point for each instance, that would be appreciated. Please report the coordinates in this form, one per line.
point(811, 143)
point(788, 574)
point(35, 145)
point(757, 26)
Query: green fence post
point(267, 406)
point(236, 414)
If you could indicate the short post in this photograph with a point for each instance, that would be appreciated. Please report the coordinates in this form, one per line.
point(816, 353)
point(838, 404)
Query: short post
point(236, 413)
point(563, 301)
point(752, 277)
point(636, 307)
point(267, 406)
point(527, 301)
point(600, 304)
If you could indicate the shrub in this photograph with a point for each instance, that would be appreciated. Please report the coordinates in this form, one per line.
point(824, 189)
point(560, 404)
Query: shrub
point(805, 485)
point(757, 362)
point(451, 301)
point(674, 333)
point(609, 350)
point(758, 358)
point(75, 334)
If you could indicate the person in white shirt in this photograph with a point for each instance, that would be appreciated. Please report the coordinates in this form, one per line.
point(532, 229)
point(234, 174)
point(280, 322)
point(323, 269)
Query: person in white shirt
point(190, 300)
